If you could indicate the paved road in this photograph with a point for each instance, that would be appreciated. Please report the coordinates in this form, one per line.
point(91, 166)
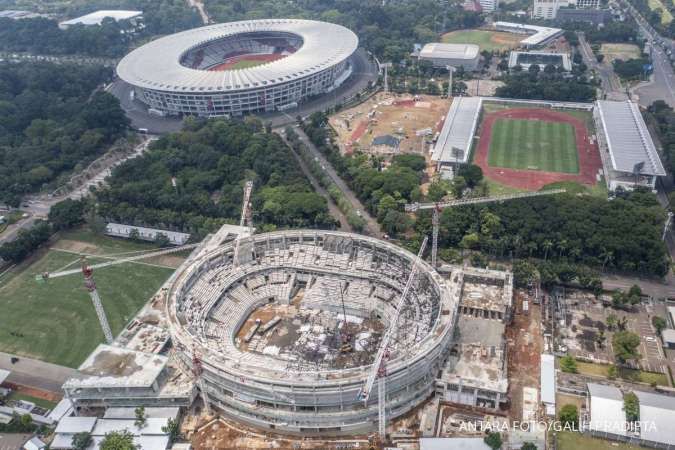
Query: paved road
point(38, 206)
point(611, 84)
point(332, 207)
point(36, 374)
point(652, 288)
point(372, 227)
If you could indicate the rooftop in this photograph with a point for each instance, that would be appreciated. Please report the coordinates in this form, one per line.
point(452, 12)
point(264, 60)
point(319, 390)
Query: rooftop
point(548, 379)
point(454, 142)
point(630, 146)
point(96, 17)
point(449, 51)
point(121, 230)
point(538, 34)
point(110, 367)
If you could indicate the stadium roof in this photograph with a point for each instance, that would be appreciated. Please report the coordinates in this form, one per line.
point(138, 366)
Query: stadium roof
point(606, 406)
point(97, 17)
point(538, 34)
point(658, 413)
point(628, 139)
point(449, 51)
point(156, 65)
point(458, 130)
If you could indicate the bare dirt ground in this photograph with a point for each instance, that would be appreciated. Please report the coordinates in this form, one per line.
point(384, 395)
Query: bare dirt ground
point(619, 51)
point(483, 88)
point(386, 114)
point(525, 342)
point(37, 393)
point(225, 435)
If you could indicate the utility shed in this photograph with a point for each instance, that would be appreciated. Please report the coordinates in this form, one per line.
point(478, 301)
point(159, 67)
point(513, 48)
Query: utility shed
point(606, 406)
point(657, 416)
point(548, 383)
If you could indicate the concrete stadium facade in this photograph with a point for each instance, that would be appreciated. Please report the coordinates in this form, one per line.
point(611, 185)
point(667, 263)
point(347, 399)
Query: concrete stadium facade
point(183, 73)
point(209, 302)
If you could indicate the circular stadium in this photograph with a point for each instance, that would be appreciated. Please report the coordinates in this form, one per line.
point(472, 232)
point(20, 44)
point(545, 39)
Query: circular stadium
point(237, 68)
point(286, 338)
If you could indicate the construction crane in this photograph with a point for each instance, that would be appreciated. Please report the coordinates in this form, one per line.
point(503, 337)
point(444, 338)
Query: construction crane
point(198, 371)
point(438, 206)
point(89, 283)
point(379, 368)
point(244, 220)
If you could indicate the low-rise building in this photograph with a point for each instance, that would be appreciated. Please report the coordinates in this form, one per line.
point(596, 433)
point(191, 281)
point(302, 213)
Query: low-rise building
point(145, 234)
point(97, 18)
point(542, 59)
point(454, 55)
point(537, 36)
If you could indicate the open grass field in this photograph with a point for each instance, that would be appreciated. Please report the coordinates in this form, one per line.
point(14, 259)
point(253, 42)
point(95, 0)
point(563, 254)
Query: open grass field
point(246, 63)
point(567, 440)
point(54, 320)
point(486, 40)
point(600, 370)
point(27, 398)
point(533, 145)
point(619, 51)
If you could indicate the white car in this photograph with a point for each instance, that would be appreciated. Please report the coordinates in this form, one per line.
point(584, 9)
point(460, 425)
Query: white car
point(650, 339)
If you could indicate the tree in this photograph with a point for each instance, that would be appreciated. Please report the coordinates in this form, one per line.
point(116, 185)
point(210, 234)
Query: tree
point(528, 446)
point(82, 441)
point(612, 321)
point(625, 345)
point(472, 173)
point(141, 419)
point(162, 240)
point(659, 323)
point(118, 440)
point(172, 428)
point(524, 273)
point(569, 416)
point(66, 214)
point(568, 364)
point(458, 186)
point(26, 421)
point(493, 440)
point(612, 372)
point(631, 407)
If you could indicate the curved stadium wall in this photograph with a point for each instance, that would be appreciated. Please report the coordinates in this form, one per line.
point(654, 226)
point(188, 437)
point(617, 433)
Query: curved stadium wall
point(198, 71)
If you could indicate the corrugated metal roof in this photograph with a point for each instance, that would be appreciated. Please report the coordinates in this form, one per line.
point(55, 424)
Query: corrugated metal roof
point(657, 414)
point(668, 335)
point(117, 229)
point(606, 407)
point(458, 130)
point(72, 425)
point(548, 379)
point(449, 51)
point(453, 443)
point(157, 65)
point(605, 391)
point(628, 139)
point(538, 34)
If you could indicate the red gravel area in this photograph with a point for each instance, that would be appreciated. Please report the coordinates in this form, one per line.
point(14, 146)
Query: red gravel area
point(230, 62)
point(356, 135)
point(533, 180)
point(404, 103)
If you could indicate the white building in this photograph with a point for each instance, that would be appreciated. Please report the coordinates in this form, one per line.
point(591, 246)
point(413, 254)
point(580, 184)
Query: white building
point(542, 59)
point(629, 156)
point(548, 9)
point(97, 17)
point(605, 404)
point(548, 383)
point(537, 36)
point(489, 5)
point(657, 414)
point(455, 55)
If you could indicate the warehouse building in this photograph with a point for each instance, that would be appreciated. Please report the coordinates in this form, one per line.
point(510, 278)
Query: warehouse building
point(628, 153)
point(454, 55)
point(605, 404)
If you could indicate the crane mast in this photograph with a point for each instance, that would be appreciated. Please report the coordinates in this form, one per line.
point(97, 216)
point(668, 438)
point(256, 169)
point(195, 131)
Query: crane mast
point(90, 284)
point(439, 206)
point(245, 218)
point(379, 369)
point(198, 370)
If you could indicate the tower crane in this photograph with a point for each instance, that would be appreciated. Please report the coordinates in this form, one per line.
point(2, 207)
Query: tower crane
point(438, 206)
point(379, 367)
point(89, 283)
point(244, 220)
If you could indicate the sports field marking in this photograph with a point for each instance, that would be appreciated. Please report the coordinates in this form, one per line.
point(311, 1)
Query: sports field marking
point(486, 40)
point(533, 145)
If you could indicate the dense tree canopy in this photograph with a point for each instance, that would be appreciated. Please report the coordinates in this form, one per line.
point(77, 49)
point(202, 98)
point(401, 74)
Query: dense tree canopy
point(50, 123)
point(192, 181)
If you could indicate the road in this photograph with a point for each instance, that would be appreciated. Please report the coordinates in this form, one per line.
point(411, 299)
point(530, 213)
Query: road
point(332, 207)
point(372, 227)
point(36, 374)
point(38, 206)
point(662, 81)
point(199, 4)
point(611, 84)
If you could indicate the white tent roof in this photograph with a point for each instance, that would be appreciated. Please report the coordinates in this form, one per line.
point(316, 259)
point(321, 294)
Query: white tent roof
point(606, 406)
point(548, 379)
point(657, 414)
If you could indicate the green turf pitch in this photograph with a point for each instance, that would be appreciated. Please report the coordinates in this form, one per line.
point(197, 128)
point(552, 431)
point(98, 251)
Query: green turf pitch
point(55, 321)
point(247, 63)
point(533, 145)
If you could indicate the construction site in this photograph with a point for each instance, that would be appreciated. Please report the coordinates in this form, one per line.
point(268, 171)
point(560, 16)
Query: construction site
point(311, 339)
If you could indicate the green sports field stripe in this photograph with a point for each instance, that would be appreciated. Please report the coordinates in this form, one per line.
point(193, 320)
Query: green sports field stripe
point(557, 143)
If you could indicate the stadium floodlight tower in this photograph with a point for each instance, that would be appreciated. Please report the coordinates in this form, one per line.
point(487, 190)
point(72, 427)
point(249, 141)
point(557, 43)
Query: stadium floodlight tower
point(379, 367)
point(438, 206)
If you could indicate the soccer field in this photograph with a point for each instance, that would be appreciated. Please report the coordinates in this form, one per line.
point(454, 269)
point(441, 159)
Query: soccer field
point(533, 145)
point(486, 40)
point(54, 320)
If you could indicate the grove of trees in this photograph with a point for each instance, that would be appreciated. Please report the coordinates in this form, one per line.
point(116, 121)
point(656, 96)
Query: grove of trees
point(51, 123)
point(192, 181)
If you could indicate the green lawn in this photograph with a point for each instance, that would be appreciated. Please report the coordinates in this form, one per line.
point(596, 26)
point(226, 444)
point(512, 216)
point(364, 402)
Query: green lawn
point(534, 145)
point(246, 63)
point(576, 441)
point(27, 398)
point(600, 370)
point(54, 320)
point(486, 40)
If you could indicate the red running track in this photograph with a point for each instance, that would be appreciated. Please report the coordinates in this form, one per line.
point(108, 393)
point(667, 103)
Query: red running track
point(533, 180)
